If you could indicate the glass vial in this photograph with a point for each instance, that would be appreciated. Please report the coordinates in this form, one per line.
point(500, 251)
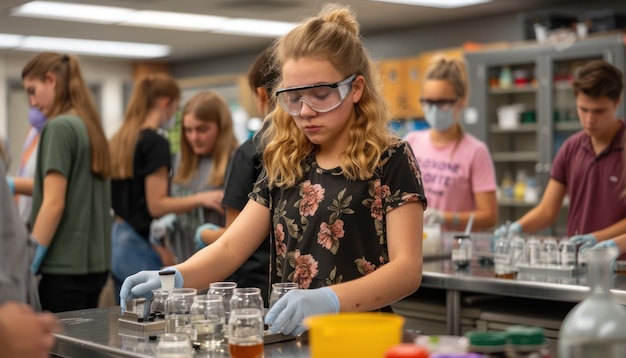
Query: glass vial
point(462, 251)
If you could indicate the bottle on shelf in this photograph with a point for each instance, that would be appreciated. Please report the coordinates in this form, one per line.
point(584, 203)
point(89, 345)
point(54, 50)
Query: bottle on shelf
point(506, 77)
point(506, 187)
point(519, 190)
point(596, 327)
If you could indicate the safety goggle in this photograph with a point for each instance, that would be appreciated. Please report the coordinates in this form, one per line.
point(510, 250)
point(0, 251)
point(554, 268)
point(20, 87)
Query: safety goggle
point(321, 98)
point(445, 104)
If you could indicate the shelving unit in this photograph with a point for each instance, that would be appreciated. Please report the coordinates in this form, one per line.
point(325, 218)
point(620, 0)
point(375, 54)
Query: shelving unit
point(546, 93)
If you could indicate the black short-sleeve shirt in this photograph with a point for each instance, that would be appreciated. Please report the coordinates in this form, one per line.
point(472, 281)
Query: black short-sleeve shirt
point(328, 229)
point(129, 195)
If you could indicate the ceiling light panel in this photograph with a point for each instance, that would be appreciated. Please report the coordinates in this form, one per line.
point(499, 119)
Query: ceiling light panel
point(73, 12)
point(94, 47)
point(10, 40)
point(252, 27)
point(444, 4)
point(175, 21)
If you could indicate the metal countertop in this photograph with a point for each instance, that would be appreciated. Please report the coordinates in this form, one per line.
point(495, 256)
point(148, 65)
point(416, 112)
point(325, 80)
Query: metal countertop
point(481, 279)
point(94, 333)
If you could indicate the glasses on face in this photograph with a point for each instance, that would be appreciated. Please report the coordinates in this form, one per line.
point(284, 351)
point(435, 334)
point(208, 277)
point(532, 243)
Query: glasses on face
point(445, 104)
point(321, 98)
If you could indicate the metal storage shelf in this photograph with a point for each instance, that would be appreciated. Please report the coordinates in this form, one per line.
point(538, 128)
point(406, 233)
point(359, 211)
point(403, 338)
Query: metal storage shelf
point(523, 127)
point(515, 156)
point(514, 89)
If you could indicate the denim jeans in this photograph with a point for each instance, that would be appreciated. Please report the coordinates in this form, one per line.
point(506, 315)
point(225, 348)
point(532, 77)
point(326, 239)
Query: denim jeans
point(131, 253)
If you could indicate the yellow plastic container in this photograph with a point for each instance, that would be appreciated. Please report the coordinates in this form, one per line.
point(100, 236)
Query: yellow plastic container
point(366, 334)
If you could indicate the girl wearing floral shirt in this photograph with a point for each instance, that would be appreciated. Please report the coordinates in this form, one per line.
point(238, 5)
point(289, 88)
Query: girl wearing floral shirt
point(340, 195)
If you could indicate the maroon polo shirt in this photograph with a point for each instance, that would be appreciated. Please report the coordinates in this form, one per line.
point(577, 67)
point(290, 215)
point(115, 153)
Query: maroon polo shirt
point(594, 182)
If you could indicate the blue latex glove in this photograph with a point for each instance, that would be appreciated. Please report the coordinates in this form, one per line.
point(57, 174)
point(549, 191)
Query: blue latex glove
point(287, 314)
point(160, 227)
point(142, 283)
point(514, 229)
point(586, 241)
point(11, 183)
point(197, 239)
point(40, 253)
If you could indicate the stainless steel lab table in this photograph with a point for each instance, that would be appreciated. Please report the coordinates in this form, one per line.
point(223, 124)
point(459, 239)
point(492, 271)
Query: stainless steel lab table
point(94, 333)
point(441, 274)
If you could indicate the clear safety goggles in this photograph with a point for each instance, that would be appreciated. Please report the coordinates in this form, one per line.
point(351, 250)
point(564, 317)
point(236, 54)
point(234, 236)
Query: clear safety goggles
point(321, 98)
point(444, 104)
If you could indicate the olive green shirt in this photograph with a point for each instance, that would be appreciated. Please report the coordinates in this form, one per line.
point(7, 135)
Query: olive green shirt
point(82, 241)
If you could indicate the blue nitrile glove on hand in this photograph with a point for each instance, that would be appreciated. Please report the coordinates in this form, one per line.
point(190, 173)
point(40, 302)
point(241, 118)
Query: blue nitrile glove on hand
point(197, 239)
point(514, 229)
point(11, 183)
point(159, 228)
point(287, 314)
point(40, 253)
point(142, 283)
point(433, 217)
point(586, 241)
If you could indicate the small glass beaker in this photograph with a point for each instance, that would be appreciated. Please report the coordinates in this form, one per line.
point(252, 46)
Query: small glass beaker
point(159, 299)
point(224, 289)
point(518, 251)
point(245, 333)
point(550, 252)
point(567, 253)
point(177, 309)
point(174, 345)
point(208, 320)
point(502, 258)
point(461, 251)
point(533, 249)
point(280, 289)
point(248, 297)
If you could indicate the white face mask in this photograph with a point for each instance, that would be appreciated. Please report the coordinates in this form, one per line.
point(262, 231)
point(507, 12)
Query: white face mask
point(439, 119)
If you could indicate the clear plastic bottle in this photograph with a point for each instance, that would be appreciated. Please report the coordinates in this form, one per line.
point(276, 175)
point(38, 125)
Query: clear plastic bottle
point(596, 327)
point(461, 251)
point(506, 187)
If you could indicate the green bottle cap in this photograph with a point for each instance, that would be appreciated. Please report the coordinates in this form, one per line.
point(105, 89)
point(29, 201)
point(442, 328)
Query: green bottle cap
point(525, 335)
point(486, 338)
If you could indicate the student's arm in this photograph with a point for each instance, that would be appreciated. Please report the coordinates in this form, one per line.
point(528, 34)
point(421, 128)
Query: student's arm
point(485, 215)
point(612, 231)
point(396, 279)
point(546, 212)
point(23, 186)
point(215, 262)
point(52, 207)
point(620, 241)
point(210, 236)
point(160, 203)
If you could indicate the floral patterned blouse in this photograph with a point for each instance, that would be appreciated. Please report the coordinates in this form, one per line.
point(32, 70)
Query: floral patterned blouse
point(328, 229)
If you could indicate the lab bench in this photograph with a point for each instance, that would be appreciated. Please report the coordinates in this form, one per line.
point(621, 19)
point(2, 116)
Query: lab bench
point(452, 301)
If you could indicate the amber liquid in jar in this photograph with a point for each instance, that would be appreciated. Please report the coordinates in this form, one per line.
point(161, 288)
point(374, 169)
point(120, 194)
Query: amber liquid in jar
point(508, 275)
point(254, 350)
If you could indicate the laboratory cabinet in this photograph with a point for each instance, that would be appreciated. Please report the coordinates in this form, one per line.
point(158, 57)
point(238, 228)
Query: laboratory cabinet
point(522, 106)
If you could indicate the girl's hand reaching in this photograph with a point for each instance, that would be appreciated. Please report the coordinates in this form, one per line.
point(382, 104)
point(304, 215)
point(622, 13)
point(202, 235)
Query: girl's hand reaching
point(211, 199)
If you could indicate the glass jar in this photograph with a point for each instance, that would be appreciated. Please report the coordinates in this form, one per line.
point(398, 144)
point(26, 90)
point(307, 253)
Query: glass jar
point(518, 251)
point(245, 333)
point(567, 253)
point(208, 320)
point(549, 252)
point(461, 251)
point(502, 258)
point(177, 309)
point(174, 345)
point(596, 327)
point(533, 249)
point(224, 289)
point(279, 289)
point(157, 306)
point(248, 297)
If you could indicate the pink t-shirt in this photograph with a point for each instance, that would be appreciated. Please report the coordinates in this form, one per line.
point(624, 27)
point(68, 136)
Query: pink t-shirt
point(454, 173)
